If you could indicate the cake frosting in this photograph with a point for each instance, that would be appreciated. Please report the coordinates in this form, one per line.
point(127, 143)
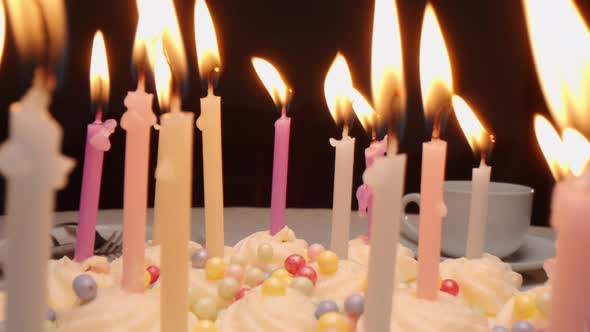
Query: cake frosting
point(116, 311)
point(255, 312)
point(539, 314)
point(284, 243)
point(61, 273)
point(447, 314)
point(485, 283)
point(406, 268)
point(346, 281)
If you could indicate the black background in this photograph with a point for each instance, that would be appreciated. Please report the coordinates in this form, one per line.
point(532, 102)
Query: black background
point(492, 67)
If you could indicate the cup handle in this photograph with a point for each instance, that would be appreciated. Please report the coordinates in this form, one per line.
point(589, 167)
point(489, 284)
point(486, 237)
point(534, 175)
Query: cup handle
point(409, 230)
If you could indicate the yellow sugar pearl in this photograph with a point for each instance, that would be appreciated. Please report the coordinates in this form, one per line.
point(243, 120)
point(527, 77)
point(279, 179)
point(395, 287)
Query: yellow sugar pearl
point(205, 326)
point(543, 302)
point(147, 279)
point(205, 308)
point(524, 306)
point(215, 268)
point(265, 252)
point(281, 273)
point(274, 287)
point(328, 262)
point(332, 321)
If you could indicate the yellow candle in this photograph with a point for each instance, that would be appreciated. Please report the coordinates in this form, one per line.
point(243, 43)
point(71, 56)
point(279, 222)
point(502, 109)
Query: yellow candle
point(173, 214)
point(174, 178)
point(210, 124)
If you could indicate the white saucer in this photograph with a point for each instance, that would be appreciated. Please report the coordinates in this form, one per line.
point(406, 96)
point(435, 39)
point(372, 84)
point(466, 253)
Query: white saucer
point(530, 257)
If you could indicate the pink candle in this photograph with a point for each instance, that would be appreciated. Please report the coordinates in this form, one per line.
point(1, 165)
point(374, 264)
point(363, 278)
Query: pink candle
point(279, 173)
point(570, 209)
point(97, 142)
point(137, 121)
point(364, 194)
point(432, 210)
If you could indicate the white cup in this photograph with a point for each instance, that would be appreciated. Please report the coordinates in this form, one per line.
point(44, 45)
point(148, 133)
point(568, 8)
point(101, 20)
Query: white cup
point(509, 216)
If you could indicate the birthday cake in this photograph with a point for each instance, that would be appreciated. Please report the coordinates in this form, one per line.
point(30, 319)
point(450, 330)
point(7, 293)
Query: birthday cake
point(278, 282)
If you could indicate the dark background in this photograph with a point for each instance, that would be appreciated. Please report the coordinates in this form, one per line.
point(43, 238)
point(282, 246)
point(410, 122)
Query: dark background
point(492, 67)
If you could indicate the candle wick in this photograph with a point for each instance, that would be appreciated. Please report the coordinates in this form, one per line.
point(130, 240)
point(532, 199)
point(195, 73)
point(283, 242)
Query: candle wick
point(345, 130)
point(284, 111)
point(98, 117)
point(141, 81)
point(392, 144)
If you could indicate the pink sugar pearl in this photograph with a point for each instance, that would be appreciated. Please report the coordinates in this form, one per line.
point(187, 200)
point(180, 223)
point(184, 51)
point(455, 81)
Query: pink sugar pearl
point(101, 268)
point(314, 251)
point(235, 271)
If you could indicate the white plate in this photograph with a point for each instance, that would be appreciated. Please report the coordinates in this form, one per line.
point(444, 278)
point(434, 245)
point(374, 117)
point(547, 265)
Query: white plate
point(530, 257)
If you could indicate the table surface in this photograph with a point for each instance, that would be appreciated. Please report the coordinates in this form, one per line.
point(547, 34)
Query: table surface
point(312, 225)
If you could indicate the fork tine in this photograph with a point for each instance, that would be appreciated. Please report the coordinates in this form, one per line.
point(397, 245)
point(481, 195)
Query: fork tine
point(101, 250)
point(113, 244)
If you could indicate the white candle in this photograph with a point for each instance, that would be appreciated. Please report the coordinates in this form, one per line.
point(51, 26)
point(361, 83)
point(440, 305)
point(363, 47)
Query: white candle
point(210, 124)
point(341, 210)
point(339, 94)
point(478, 212)
point(35, 169)
point(480, 141)
point(386, 178)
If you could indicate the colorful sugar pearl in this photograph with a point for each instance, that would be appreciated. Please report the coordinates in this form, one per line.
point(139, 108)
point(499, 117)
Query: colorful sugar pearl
point(308, 272)
point(280, 273)
point(524, 306)
point(500, 329)
point(354, 305)
point(265, 252)
point(522, 326)
point(147, 279)
point(328, 262)
point(450, 286)
point(253, 276)
point(239, 259)
point(154, 272)
point(314, 251)
point(215, 268)
point(332, 320)
point(240, 294)
point(100, 268)
point(302, 284)
point(199, 258)
point(227, 288)
point(293, 263)
point(543, 303)
point(85, 287)
point(205, 308)
point(325, 307)
point(274, 287)
point(51, 315)
point(205, 326)
point(235, 271)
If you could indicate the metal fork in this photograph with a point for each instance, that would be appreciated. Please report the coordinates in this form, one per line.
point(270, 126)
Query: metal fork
point(111, 247)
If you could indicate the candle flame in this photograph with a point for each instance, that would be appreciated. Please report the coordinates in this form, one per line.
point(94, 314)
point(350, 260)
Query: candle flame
point(158, 25)
point(337, 88)
point(562, 59)
point(363, 110)
point(2, 28)
point(577, 150)
point(436, 78)
point(551, 146)
point(39, 28)
point(206, 40)
point(272, 80)
point(162, 76)
point(99, 71)
point(387, 72)
point(477, 136)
